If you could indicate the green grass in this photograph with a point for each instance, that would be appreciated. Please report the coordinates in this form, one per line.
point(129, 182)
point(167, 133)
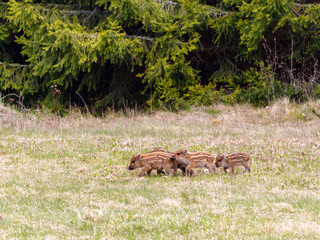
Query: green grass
point(67, 177)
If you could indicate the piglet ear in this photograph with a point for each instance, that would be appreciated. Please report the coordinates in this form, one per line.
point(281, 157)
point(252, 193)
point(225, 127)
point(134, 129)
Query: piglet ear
point(185, 152)
point(224, 157)
point(139, 157)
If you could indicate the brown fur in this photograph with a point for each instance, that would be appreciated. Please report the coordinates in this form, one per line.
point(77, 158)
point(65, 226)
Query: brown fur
point(232, 160)
point(194, 160)
point(149, 161)
point(160, 171)
point(158, 149)
point(175, 165)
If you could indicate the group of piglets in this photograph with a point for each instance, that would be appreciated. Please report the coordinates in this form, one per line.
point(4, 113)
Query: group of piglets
point(159, 159)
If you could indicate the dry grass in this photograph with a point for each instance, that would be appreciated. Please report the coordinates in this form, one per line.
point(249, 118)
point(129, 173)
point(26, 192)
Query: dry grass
point(67, 177)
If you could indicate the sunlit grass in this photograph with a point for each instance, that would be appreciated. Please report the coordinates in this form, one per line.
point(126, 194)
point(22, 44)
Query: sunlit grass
point(67, 177)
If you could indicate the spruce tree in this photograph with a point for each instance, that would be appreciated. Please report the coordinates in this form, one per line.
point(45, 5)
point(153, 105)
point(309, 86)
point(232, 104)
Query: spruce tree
point(166, 53)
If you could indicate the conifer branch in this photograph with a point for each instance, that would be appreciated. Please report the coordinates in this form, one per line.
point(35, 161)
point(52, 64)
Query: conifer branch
point(140, 37)
point(72, 12)
point(14, 64)
point(306, 5)
point(215, 12)
point(167, 2)
point(219, 12)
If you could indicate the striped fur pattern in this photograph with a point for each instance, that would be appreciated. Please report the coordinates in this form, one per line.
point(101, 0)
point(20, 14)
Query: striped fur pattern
point(151, 161)
point(194, 160)
point(160, 171)
point(175, 166)
point(231, 160)
point(158, 149)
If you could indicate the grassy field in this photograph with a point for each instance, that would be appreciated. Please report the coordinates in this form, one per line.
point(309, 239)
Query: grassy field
point(67, 178)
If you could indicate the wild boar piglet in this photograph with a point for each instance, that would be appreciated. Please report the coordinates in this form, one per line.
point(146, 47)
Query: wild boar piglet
point(158, 149)
point(194, 160)
point(175, 166)
point(231, 160)
point(151, 161)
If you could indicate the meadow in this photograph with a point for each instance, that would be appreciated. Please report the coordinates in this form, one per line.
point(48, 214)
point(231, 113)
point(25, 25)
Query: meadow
point(67, 177)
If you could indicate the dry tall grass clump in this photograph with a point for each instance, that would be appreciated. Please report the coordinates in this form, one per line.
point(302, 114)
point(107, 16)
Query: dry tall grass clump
point(281, 108)
point(67, 177)
point(8, 117)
